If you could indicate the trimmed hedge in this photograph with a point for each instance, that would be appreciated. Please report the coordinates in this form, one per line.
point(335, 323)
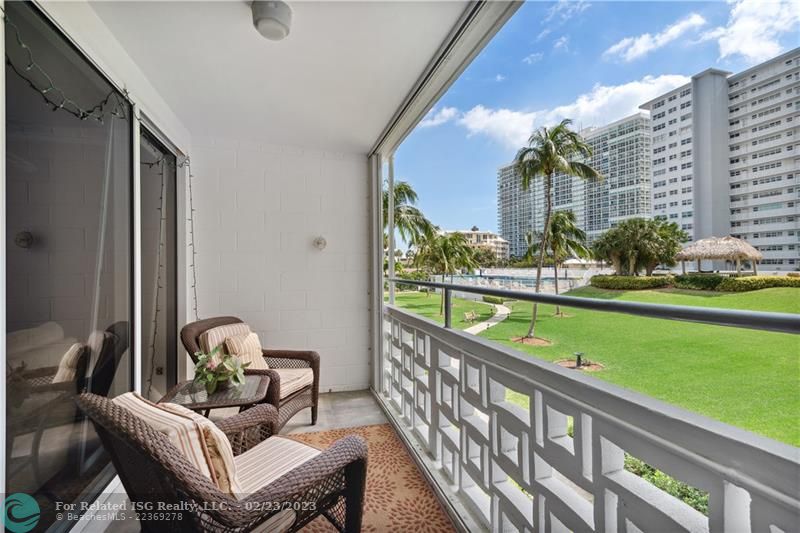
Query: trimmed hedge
point(627, 283)
point(493, 300)
point(754, 283)
point(701, 282)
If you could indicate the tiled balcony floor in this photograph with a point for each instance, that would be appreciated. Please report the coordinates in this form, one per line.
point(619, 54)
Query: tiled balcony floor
point(339, 410)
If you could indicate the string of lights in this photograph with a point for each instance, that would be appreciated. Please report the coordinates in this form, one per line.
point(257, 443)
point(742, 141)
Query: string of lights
point(187, 162)
point(154, 163)
point(159, 261)
point(49, 91)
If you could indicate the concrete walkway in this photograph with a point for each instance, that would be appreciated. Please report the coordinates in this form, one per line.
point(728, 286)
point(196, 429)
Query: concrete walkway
point(501, 313)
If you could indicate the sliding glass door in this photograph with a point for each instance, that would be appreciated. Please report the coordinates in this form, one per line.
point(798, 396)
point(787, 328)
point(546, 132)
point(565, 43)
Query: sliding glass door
point(159, 266)
point(69, 268)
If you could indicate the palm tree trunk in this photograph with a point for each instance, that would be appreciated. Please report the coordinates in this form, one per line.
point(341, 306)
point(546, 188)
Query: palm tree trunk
point(617, 262)
point(548, 203)
point(555, 280)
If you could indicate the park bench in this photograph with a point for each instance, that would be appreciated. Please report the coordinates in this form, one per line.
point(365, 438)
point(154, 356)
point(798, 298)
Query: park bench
point(470, 316)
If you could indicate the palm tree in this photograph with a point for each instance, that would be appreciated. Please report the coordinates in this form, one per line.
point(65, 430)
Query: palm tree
point(566, 240)
point(551, 151)
point(409, 221)
point(609, 247)
point(636, 240)
point(665, 243)
point(640, 244)
point(444, 253)
point(532, 239)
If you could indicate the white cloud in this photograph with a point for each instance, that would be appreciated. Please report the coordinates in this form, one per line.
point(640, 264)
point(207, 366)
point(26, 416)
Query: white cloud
point(437, 118)
point(562, 43)
point(499, 78)
point(754, 29)
point(535, 57)
point(509, 127)
point(544, 33)
point(600, 106)
point(565, 10)
point(631, 48)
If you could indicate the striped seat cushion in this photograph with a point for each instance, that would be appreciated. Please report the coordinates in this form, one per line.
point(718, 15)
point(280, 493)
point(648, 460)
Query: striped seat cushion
point(247, 348)
point(68, 365)
point(182, 431)
point(294, 379)
point(266, 462)
point(219, 448)
point(214, 337)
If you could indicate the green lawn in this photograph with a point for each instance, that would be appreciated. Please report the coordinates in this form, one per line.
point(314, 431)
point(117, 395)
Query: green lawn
point(428, 306)
point(746, 378)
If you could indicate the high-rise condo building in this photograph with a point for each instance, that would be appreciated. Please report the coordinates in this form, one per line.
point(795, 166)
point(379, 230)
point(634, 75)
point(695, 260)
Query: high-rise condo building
point(514, 210)
point(621, 153)
point(725, 157)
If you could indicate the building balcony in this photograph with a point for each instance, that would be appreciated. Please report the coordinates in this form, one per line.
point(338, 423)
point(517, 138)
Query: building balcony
point(765, 241)
point(783, 141)
point(244, 183)
point(749, 227)
point(748, 186)
point(785, 196)
point(749, 214)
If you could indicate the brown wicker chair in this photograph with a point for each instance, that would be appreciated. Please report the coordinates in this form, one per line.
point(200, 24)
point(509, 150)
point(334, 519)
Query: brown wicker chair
point(155, 474)
point(287, 406)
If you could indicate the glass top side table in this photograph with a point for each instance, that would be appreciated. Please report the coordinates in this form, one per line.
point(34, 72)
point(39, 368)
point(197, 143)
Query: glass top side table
point(193, 395)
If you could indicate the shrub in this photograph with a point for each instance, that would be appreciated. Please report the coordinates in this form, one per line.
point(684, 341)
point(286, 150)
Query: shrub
point(625, 283)
point(689, 495)
point(754, 283)
point(416, 275)
point(793, 274)
point(493, 300)
point(686, 493)
point(701, 282)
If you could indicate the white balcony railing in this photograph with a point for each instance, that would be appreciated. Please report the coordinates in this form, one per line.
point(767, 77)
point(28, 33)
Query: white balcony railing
point(518, 468)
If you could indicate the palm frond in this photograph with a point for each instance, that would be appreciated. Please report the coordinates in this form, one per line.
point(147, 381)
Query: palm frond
point(582, 170)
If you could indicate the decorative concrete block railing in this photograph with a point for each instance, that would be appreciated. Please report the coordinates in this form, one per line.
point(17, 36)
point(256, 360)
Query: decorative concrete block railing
point(519, 468)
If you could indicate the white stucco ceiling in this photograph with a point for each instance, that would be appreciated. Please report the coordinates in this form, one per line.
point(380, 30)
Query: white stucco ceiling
point(333, 84)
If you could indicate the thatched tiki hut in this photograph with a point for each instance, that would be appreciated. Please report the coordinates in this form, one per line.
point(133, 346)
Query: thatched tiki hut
point(725, 248)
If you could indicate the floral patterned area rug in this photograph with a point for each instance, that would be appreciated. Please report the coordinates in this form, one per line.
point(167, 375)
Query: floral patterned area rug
point(398, 498)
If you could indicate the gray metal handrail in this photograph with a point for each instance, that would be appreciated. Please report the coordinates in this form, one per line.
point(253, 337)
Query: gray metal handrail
point(780, 322)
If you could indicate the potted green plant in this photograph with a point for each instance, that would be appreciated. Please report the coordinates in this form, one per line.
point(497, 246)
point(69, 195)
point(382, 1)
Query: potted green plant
point(214, 370)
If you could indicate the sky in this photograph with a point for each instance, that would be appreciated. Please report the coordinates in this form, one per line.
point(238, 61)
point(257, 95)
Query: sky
point(593, 62)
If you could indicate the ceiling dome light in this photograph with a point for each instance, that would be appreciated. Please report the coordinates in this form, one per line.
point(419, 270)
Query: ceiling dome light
point(272, 18)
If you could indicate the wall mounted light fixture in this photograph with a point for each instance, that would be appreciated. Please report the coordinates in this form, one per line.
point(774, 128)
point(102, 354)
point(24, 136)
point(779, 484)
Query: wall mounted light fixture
point(272, 18)
point(24, 239)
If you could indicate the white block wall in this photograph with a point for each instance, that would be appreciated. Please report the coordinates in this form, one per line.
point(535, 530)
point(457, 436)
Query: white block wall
point(258, 210)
